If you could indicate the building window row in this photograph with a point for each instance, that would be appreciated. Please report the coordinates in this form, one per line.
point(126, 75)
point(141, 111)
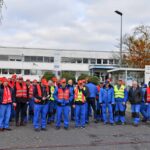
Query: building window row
point(89, 60)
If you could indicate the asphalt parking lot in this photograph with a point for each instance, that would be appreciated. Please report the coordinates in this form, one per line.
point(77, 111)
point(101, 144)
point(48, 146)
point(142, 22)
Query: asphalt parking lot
point(94, 136)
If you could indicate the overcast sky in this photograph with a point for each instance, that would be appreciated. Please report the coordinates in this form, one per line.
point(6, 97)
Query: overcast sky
point(70, 24)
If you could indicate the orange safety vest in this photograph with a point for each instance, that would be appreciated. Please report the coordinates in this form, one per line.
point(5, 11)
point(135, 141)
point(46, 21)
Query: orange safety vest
point(148, 94)
point(63, 94)
point(21, 91)
point(78, 96)
point(7, 96)
point(30, 91)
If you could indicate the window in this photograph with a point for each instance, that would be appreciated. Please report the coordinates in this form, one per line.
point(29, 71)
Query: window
point(33, 59)
point(27, 58)
point(18, 71)
point(111, 61)
point(116, 61)
point(104, 61)
point(85, 60)
point(3, 58)
point(65, 60)
point(4, 71)
point(93, 61)
point(49, 59)
point(39, 59)
point(27, 72)
point(99, 61)
point(73, 60)
point(12, 71)
point(79, 60)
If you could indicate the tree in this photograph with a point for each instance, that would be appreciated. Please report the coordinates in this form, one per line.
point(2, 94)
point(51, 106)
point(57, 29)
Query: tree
point(68, 75)
point(48, 75)
point(138, 46)
point(83, 77)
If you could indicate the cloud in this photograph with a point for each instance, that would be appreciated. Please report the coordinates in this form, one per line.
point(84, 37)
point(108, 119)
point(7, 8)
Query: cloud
point(70, 24)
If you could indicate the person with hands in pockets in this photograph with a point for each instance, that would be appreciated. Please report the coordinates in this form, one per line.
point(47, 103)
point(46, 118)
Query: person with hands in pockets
point(63, 96)
point(106, 99)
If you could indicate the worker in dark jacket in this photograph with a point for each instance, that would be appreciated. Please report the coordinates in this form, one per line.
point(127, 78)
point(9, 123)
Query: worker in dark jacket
point(135, 98)
point(6, 101)
point(21, 96)
point(91, 99)
point(40, 95)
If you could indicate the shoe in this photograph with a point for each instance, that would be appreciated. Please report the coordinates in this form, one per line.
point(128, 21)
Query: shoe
point(43, 129)
point(57, 128)
point(2, 129)
point(136, 125)
point(123, 123)
point(83, 127)
point(22, 124)
point(17, 124)
point(96, 121)
point(144, 120)
point(66, 128)
point(37, 129)
point(8, 129)
point(112, 124)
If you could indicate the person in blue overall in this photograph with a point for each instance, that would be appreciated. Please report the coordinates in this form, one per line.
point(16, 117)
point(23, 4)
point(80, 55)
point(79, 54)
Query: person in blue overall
point(6, 101)
point(135, 98)
point(91, 99)
point(143, 109)
point(70, 84)
point(63, 96)
point(40, 94)
point(121, 96)
point(106, 99)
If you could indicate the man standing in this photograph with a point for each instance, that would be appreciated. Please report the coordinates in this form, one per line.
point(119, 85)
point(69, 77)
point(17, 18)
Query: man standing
point(63, 96)
point(52, 106)
point(91, 99)
point(21, 100)
point(80, 93)
point(40, 95)
point(121, 96)
point(70, 84)
point(135, 98)
point(147, 100)
point(6, 100)
point(106, 99)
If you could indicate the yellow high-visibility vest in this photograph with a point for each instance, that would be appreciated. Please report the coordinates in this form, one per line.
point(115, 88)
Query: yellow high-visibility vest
point(52, 89)
point(119, 93)
point(78, 95)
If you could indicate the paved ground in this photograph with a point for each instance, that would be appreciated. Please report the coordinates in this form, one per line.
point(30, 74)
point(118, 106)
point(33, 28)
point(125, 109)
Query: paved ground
point(95, 136)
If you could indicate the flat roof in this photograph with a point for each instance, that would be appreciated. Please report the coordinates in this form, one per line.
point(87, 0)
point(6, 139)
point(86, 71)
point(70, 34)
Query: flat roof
point(126, 69)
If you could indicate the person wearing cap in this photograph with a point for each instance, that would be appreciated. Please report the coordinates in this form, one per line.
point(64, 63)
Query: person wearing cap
point(80, 94)
point(40, 95)
point(135, 98)
point(21, 97)
point(63, 96)
point(121, 96)
point(91, 99)
point(144, 104)
point(98, 106)
point(52, 104)
point(70, 84)
point(6, 101)
point(106, 99)
point(147, 101)
point(30, 100)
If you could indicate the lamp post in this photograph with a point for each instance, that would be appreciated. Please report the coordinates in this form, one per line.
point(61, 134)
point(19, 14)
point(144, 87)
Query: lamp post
point(121, 14)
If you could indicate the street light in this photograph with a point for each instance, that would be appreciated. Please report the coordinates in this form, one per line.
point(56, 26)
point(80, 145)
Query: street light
point(121, 14)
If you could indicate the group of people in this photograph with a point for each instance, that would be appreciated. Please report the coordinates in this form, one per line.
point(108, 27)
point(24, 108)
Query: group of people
point(54, 101)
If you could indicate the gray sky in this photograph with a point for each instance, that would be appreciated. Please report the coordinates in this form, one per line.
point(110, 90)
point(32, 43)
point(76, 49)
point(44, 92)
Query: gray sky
point(70, 24)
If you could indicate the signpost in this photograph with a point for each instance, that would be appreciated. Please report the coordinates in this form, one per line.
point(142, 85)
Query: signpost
point(147, 74)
